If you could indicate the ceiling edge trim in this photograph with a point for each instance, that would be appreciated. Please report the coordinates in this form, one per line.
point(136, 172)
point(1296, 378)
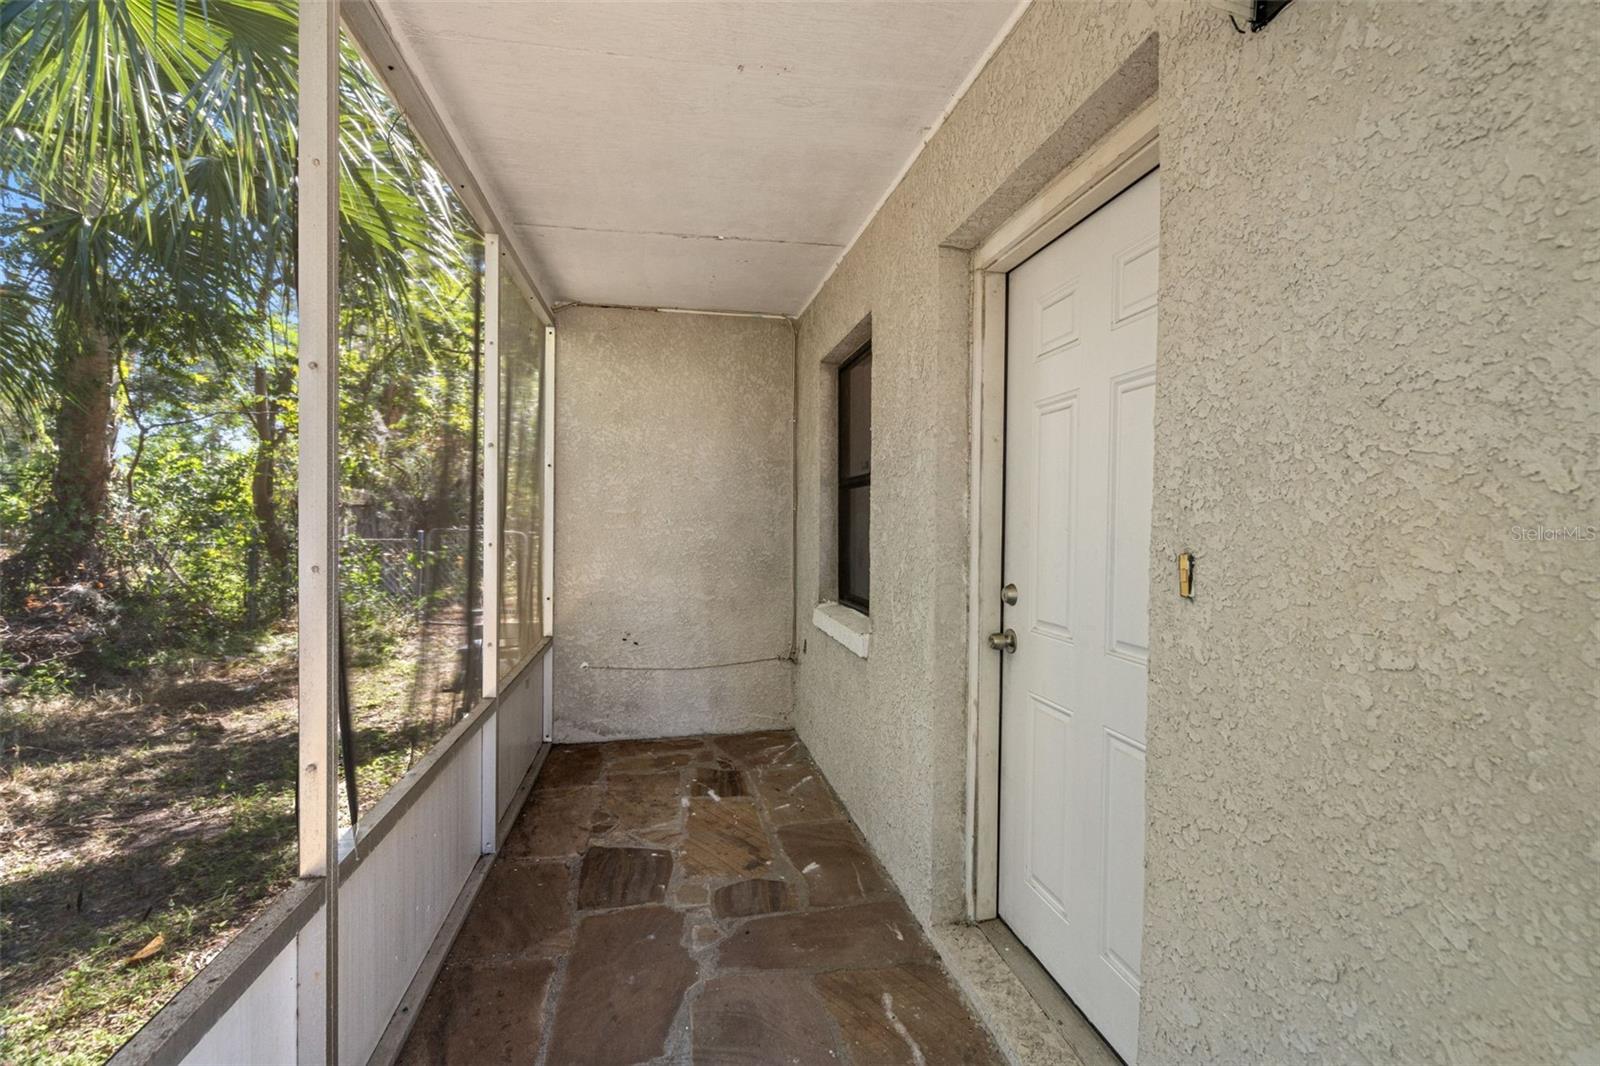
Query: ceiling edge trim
point(564, 304)
point(933, 131)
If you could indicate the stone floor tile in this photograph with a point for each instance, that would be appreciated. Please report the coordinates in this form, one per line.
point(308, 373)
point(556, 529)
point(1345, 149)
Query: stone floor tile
point(523, 909)
point(651, 756)
point(718, 782)
point(870, 934)
point(796, 793)
point(760, 1019)
point(634, 804)
point(746, 899)
point(725, 838)
point(653, 764)
point(663, 836)
point(631, 861)
point(647, 746)
point(774, 746)
point(713, 757)
point(554, 824)
point(623, 877)
point(625, 979)
point(481, 1013)
point(837, 867)
point(569, 766)
point(908, 1015)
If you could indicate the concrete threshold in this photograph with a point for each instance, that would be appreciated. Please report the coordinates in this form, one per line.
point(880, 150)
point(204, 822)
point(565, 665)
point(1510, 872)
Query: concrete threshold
point(1032, 1020)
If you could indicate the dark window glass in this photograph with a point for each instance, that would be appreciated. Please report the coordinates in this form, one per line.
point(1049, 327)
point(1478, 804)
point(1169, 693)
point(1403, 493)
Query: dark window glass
point(854, 504)
point(855, 417)
point(855, 477)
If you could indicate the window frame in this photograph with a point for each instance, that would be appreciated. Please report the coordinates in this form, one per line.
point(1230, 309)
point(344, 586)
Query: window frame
point(846, 482)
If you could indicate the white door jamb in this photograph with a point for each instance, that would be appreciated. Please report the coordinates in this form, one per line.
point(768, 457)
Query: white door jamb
point(1124, 156)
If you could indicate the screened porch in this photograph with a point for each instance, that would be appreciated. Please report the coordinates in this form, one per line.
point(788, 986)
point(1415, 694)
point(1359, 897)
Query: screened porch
point(706, 531)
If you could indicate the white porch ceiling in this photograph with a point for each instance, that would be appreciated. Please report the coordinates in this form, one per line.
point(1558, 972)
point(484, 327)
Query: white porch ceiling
point(712, 156)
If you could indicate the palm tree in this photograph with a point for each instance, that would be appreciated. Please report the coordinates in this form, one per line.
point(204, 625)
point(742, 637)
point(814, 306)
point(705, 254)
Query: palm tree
point(147, 159)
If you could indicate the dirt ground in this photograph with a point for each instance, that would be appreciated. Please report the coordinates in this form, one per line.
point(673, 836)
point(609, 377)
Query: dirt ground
point(164, 807)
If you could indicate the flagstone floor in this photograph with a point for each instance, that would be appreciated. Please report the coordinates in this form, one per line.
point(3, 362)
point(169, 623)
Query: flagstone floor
point(702, 900)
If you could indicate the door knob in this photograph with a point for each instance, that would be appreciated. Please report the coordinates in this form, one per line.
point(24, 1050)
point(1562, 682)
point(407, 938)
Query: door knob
point(1004, 641)
point(1008, 595)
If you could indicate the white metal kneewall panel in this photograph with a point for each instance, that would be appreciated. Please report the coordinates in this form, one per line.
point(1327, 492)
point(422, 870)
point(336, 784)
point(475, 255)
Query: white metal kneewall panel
point(520, 731)
point(394, 903)
point(260, 1025)
point(548, 710)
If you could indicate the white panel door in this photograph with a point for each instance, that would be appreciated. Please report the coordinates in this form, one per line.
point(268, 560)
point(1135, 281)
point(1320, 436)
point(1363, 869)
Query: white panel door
point(1080, 391)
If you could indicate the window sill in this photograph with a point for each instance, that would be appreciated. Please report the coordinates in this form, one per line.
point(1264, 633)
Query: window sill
point(849, 627)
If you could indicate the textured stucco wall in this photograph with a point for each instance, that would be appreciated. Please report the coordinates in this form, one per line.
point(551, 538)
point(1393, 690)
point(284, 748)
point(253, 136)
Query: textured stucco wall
point(1372, 779)
point(890, 730)
point(1374, 735)
point(674, 528)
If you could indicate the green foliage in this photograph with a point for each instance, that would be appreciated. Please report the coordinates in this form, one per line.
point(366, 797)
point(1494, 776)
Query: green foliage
point(37, 681)
point(194, 507)
point(147, 155)
point(145, 144)
point(48, 680)
point(374, 620)
point(25, 465)
point(143, 150)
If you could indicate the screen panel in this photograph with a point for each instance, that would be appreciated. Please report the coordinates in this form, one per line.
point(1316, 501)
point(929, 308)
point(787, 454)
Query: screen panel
point(521, 353)
point(410, 440)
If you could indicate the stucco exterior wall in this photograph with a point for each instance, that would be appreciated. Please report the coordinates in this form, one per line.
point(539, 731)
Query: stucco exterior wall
point(1373, 734)
point(674, 537)
point(890, 730)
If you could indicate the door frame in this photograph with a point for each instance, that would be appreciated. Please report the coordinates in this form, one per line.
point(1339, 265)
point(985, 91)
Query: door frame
point(1121, 158)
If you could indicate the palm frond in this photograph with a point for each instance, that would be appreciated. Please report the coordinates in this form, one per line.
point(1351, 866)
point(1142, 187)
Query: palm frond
point(26, 348)
point(149, 145)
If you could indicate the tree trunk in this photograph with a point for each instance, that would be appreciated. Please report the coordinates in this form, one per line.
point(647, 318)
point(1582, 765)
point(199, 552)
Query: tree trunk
point(263, 496)
point(64, 545)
